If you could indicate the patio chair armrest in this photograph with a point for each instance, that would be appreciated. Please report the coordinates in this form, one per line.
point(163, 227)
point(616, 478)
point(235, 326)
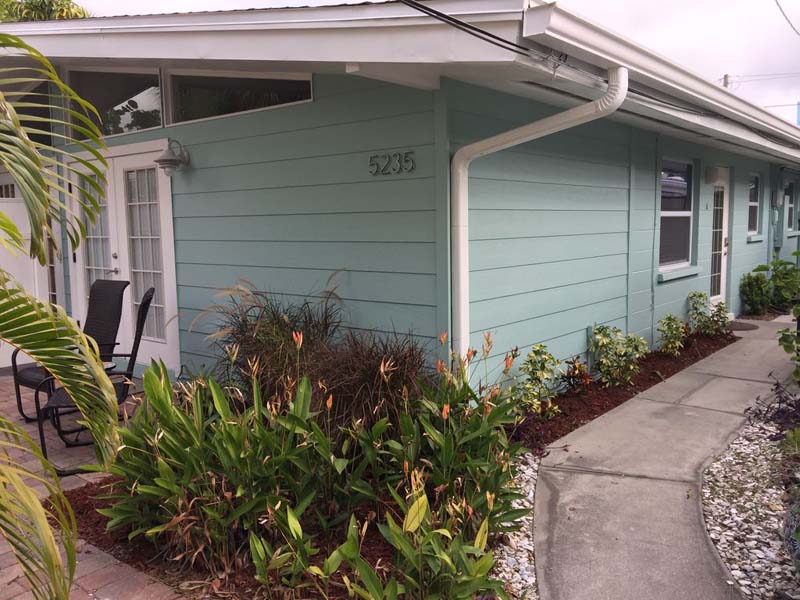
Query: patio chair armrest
point(14, 368)
point(46, 382)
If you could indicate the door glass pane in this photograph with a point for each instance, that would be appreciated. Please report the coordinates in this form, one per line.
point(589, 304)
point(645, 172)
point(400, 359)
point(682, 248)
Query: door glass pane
point(717, 237)
point(141, 198)
point(97, 243)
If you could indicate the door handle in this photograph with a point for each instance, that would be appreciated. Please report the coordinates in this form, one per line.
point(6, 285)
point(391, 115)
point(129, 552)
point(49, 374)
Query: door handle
point(114, 271)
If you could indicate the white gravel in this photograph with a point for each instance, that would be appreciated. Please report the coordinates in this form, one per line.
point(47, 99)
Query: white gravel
point(744, 509)
point(514, 563)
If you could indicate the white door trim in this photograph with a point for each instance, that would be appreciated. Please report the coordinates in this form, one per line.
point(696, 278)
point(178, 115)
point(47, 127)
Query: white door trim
point(120, 159)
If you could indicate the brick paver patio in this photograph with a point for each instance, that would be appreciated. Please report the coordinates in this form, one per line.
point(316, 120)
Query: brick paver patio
point(98, 576)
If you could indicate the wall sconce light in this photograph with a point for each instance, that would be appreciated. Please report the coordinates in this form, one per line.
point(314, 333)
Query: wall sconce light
point(174, 158)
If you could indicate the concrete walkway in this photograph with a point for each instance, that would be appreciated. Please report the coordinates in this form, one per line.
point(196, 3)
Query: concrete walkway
point(618, 506)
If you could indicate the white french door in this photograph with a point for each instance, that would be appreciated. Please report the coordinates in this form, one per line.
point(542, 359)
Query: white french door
point(132, 240)
point(719, 239)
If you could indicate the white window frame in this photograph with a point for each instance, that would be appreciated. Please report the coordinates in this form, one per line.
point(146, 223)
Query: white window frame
point(123, 70)
point(678, 213)
point(791, 205)
point(167, 90)
point(756, 203)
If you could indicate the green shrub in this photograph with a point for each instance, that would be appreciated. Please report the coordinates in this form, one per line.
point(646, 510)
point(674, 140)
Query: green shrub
point(616, 355)
point(785, 281)
point(706, 319)
point(542, 371)
point(672, 331)
point(221, 481)
point(576, 376)
point(756, 292)
point(199, 476)
point(789, 341)
point(434, 563)
point(368, 374)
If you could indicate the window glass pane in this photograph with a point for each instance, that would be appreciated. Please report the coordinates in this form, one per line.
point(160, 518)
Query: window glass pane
point(752, 218)
point(676, 186)
point(755, 190)
point(675, 239)
point(125, 101)
point(146, 263)
point(198, 97)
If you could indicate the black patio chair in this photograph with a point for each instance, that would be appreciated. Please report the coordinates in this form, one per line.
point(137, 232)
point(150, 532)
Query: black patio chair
point(102, 324)
point(59, 403)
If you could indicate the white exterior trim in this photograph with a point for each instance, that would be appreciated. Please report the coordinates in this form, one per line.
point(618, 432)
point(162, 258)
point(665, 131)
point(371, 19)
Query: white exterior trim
point(557, 28)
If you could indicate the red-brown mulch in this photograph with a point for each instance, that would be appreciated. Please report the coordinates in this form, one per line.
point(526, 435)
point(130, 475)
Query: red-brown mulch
point(578, 408)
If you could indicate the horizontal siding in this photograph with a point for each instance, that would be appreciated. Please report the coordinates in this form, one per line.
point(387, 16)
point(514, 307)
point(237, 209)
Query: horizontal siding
point(548, 226)
point(284, 199)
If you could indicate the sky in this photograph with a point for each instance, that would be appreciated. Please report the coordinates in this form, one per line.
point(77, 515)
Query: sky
point(711, 37)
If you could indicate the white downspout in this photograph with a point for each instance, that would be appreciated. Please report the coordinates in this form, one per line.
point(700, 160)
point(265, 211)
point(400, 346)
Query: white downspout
point(459, 181)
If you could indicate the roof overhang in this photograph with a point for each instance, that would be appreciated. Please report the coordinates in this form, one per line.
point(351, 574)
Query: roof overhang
point(551, 25)
point(392, 42)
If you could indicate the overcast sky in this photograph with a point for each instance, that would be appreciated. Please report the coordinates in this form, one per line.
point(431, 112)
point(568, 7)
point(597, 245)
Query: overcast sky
point(711, 37)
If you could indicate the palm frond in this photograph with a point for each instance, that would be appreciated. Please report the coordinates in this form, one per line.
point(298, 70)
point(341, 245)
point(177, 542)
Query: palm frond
point(52, 338)
point(26, 524)
point(40, 170)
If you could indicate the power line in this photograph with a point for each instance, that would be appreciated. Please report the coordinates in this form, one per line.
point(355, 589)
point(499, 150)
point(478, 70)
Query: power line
point(785, 16)
point(477, 32)
point(782, 105)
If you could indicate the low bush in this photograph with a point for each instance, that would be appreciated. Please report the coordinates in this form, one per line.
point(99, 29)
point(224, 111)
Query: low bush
point(789, 341)
point(222, 481)
point(784, 278)
point(616, 355)
point(576, 376)
point(756, 292)
point(369, 375)
point(706, 319)
point(541, 372)
point(672, 332)
point(199, 476)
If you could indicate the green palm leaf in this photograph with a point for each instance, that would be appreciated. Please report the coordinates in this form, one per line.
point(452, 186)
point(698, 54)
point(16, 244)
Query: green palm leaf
point(42, 172)
point(48, 335)
point(25, 522)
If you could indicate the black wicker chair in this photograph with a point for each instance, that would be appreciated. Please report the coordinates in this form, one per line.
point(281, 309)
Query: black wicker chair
point(59, 403)
point(102, 323)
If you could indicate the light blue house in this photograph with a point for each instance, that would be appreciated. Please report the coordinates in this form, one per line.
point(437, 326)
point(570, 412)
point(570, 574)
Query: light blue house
point(323, 142)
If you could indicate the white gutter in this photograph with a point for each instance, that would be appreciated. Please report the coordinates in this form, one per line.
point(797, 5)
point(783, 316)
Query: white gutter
point(459, 181)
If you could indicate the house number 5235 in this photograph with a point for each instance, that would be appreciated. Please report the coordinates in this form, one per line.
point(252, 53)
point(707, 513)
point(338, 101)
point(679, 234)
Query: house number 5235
point(392, 163)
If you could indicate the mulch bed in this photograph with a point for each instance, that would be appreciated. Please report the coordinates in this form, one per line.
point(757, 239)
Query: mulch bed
point(143, 555)
point(578, 408)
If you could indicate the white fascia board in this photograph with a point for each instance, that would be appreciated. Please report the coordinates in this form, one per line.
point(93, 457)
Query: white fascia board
point(557, 28)
point(372, 33)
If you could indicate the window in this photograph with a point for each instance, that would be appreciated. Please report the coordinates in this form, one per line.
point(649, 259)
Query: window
point(126, 101)
point(676, 214)
point(8, 190)
point(144, 228)
point(788, 200)
point(754, 204)
point(202, 96)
